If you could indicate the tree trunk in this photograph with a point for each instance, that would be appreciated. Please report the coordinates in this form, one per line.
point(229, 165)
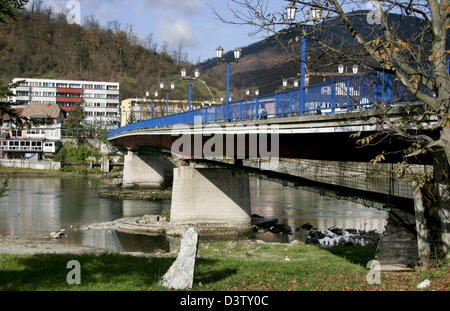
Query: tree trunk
point(422, 231)
point(442, 182)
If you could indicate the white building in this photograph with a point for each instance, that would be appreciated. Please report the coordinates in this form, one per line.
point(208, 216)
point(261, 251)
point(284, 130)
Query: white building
point(101, 100)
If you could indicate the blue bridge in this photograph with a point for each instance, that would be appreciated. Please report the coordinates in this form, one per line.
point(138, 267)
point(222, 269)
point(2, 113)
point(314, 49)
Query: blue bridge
point(353, 94)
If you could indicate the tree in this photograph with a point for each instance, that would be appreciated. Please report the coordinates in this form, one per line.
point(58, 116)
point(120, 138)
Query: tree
point(74, 120)
point(8, 9)
point(376, 41)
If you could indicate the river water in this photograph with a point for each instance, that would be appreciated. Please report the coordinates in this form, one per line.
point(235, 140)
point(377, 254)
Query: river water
point(36, 206)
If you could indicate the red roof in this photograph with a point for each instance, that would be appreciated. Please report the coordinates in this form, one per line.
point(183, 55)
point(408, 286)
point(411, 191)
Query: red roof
point(67, 109)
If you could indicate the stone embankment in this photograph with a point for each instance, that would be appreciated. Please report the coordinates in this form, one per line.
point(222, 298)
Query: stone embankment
point(155, 224)
point(141, 194)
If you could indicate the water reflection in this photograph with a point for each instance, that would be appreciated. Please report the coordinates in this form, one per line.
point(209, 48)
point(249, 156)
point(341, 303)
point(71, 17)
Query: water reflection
point(296, 207)
point(36, 206)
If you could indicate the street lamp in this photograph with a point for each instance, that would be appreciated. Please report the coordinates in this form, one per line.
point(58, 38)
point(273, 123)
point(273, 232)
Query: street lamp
point(237, 55)
point(257, 92)
point(316, 14)
point(219, 52)
point(341, 68)
point(286, 81)
point(147, 94)
point(291, 9)
point(355, 69)
point(185, 77)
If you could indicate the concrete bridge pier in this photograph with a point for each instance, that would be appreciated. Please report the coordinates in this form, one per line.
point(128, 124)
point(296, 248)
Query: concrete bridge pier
point(145, 170)
point(213, 199)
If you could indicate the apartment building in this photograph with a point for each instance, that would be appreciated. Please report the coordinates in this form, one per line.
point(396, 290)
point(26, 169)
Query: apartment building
point(100, 99)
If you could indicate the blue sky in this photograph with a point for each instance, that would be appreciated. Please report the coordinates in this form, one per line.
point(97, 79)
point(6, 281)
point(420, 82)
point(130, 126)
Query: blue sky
point(191, 21)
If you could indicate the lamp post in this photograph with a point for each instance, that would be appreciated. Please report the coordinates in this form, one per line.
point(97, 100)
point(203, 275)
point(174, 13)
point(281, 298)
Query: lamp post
point(161, 86)
point(147, 95)
point(185, 77)
point(237, 55)
point(291, 11)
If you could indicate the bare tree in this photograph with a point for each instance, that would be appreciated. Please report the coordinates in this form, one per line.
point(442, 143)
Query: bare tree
point(114, 26)
point(366, 33)
point(148, 41)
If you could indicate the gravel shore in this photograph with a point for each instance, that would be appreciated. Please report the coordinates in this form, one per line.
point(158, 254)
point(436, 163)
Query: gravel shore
point(19, 246)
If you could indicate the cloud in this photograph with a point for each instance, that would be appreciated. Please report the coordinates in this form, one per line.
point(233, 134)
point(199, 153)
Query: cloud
point(176, 31)
point(57, 6)
point(169, 7)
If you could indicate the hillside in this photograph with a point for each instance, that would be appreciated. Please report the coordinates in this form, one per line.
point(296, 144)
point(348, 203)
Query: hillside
point(265, 62)
point(40, 45)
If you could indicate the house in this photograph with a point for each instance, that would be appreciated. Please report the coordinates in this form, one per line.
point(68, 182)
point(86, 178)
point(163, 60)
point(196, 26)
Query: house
point(42, 133)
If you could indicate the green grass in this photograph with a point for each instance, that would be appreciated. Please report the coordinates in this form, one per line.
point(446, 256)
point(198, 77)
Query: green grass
point(220, 266)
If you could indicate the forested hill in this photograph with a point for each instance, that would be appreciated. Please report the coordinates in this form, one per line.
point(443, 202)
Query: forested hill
point(265, 62)
point(41, 45)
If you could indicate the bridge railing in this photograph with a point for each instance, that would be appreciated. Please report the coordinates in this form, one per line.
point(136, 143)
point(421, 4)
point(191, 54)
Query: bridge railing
point(355, 93)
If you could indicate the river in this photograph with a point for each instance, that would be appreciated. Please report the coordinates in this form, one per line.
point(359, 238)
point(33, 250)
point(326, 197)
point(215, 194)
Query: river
point(36, 206)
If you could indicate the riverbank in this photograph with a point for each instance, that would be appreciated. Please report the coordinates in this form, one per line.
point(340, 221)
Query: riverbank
point(233, 265)
point(138, 194)
point(28, 172)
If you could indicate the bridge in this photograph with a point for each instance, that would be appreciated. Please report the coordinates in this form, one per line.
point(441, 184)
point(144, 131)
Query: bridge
point(313, 123)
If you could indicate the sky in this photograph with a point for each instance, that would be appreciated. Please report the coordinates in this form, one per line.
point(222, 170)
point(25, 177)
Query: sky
point(191, 21)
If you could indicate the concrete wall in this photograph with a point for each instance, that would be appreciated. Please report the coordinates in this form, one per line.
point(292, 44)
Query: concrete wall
point(210, 195)
point(145, 170)
point(37, 165)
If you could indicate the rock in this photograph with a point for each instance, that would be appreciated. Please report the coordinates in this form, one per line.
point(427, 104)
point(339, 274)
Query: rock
point(181, 274)
point(424, 284)
point(352, 231)
point(263, 222)
point(336, 231)
point(316, 234)
point(281, 228)
point(307, 226)
point(59, 234)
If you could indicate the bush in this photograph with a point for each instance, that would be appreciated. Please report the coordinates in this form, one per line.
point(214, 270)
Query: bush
point(69, 152)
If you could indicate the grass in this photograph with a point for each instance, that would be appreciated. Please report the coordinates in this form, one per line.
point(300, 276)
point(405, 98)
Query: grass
point(220, 266)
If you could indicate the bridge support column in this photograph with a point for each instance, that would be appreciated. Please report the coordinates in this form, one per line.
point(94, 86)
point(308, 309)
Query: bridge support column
point(145, 170)
point(105, 165)
point(211, 197)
